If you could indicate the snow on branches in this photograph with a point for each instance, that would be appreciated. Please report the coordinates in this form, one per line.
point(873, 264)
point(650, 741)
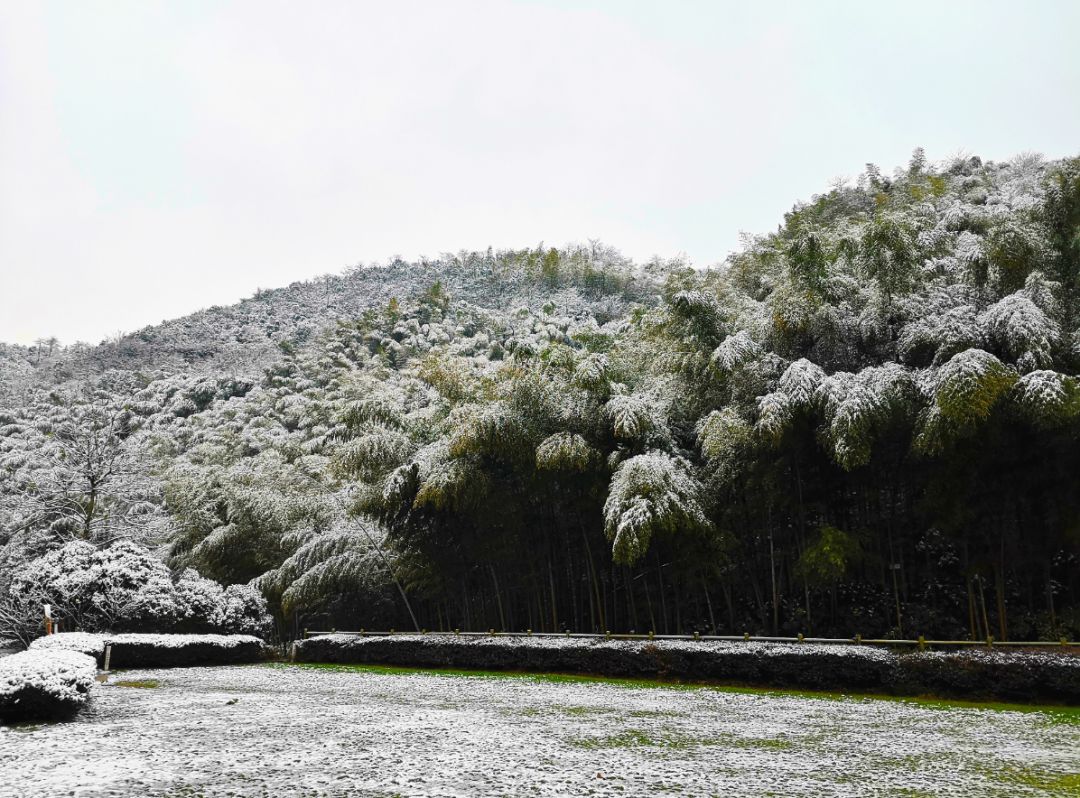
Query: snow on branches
point(649, 494)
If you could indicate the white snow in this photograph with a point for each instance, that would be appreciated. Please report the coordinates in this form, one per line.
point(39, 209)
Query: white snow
point(84, 642)
point(64, 676)
point(316, 732)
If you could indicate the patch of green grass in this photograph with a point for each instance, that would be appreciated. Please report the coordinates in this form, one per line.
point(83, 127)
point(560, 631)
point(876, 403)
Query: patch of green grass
point(1055, 713)
point(654, 713)
point(1060, 784)
point(528, 712)
point(634, 738)
point(580, 711)
point(631, 738)
point(768, 743)
point(572, 711)
point(142, 684)
point(26, 726)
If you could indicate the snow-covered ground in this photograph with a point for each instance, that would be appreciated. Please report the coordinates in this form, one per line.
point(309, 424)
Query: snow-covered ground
point(269, 730)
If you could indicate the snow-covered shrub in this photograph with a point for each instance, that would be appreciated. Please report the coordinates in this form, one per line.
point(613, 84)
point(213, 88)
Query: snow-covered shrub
point(93, 645)
point(998, 674)
point(991, 674)
point(200, 602)
point(245, 612)
point(122, 586)
point(807, 665)
point(204, 606)
point(125, 587)
point(39, 685)
point(156, 650)
point(177, 651)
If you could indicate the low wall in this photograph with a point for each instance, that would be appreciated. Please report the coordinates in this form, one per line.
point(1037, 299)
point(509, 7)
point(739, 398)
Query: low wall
point(971, 674)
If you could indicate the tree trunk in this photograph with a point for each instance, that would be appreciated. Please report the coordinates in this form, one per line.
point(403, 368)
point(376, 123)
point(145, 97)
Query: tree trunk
point(498, 598)
point(708, 603)
point(554, 598)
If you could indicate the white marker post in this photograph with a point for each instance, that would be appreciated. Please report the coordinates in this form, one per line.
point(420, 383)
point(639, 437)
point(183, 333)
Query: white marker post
point(48, 619)
point(104, 675)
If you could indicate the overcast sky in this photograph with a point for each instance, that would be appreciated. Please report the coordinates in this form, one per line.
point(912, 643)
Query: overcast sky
point(157, 158)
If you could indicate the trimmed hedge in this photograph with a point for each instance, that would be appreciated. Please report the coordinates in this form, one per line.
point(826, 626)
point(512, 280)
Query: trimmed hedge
point(811, 666)
point(158, 651)
point(1013, 675)
point(85, 643)
point(44, 685)
point(971, 674)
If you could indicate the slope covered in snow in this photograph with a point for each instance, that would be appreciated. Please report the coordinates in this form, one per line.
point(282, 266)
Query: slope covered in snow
point(863, 422)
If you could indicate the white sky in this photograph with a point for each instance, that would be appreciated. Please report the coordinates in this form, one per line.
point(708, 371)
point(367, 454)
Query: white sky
point(157, 158)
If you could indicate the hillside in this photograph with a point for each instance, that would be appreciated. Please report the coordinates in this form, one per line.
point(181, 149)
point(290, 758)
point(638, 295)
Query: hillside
point(248, 336)
point(863, 422)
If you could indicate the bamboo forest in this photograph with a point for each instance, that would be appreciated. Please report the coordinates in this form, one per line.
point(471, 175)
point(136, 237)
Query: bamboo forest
point(863, 422)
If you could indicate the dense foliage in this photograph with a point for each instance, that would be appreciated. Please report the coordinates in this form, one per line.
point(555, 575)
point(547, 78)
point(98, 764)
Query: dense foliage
point(125, 588)
point(864, 422)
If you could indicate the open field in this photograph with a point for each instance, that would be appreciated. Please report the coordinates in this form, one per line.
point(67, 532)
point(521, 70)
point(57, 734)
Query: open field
point(277, 730)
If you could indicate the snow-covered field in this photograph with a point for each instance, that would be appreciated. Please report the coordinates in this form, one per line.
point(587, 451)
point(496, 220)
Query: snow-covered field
point(268, 730)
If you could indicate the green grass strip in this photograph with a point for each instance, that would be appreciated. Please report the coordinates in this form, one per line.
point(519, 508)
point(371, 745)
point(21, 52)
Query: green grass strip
point(1056, 713)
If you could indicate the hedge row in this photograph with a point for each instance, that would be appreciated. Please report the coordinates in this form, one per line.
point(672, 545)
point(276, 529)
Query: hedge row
point(157, 651)
point(44, 685)
point(970, 674)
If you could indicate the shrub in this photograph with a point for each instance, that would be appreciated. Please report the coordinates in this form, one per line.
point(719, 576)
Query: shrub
point(122, 586)
point(245, 612)
point(125, 588)
point(156, 650)
point(971, 674)
point(997, 674)
point(176, 651)
point(44, 685)
point(752, 663)
point(92, 645)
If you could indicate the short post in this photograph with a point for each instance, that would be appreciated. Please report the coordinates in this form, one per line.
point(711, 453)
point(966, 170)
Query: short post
point(746, 637)
point(1064, 641)
point(922, 643)
point(800, 638)
point(607, 634)
point(457, 631)
point(858, 639)
point(697, 635)
point(651, 634)
point(104, 675)
point(48, 619)
point(391, 630)
point(528, 632)
point(990, 641)
point(305, 634)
